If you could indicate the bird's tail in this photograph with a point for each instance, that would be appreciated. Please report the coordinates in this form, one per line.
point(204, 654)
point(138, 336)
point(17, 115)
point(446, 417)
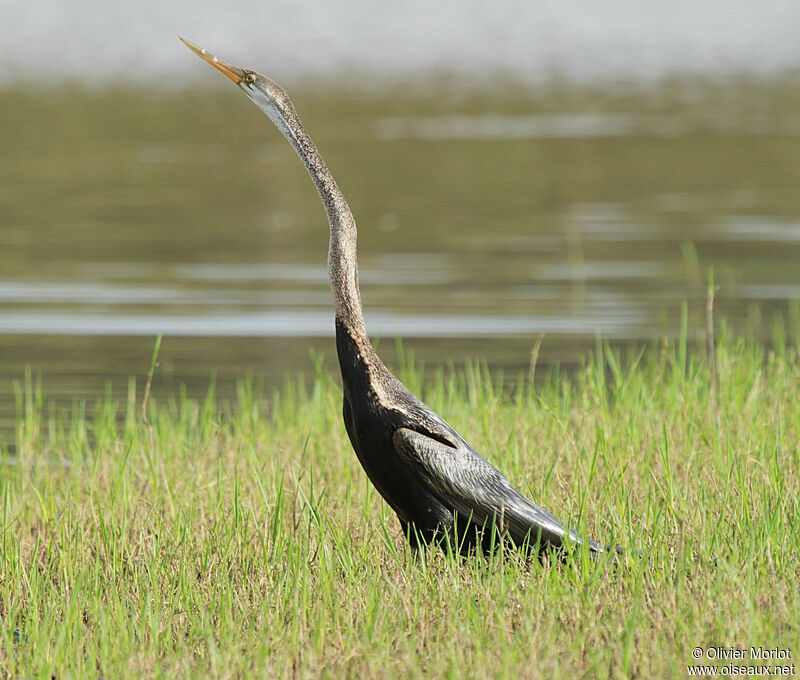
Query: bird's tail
point(529, 524)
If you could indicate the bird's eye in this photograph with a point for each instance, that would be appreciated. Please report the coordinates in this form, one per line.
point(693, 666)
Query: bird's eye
point(249, 78)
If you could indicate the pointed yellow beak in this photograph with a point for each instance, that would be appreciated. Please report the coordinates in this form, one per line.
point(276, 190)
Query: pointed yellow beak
point(233, 72)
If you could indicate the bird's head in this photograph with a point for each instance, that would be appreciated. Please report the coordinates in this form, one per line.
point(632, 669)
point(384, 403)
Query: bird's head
point(266, 94)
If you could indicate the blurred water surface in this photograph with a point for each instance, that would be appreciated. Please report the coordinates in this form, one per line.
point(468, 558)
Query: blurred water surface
point(485, 220)
point(368, 44)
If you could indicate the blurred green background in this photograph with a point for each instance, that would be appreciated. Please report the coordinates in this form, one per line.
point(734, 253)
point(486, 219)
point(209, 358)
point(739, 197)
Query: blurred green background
point(137, 198)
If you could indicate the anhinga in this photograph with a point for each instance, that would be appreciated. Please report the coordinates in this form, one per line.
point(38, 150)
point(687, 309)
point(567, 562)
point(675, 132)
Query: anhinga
point(441, 489)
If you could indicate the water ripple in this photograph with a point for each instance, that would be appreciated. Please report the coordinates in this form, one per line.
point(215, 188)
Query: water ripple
point(292, 323)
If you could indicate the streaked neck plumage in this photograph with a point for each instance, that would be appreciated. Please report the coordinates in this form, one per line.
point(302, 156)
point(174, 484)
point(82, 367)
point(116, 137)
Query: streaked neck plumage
point(342, 263)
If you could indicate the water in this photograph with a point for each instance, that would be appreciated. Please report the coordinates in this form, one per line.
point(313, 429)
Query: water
point(372, 43)
point(485, 219)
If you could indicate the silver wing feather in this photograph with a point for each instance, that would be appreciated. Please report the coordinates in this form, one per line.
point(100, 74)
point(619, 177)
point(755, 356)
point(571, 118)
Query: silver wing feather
point(471, 486)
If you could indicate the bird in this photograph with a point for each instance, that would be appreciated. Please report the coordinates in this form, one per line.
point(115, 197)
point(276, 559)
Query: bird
point(443, 492)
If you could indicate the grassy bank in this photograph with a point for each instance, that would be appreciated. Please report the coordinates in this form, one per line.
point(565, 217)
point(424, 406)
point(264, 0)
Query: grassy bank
point(245, 539)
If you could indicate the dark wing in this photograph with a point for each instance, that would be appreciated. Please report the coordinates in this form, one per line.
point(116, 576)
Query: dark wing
point(468, 484)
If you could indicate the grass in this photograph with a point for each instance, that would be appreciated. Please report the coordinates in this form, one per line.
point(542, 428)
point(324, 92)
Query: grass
point(243, 539)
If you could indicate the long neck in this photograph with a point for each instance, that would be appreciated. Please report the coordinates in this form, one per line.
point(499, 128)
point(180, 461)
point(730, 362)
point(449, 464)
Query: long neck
point(342, 262)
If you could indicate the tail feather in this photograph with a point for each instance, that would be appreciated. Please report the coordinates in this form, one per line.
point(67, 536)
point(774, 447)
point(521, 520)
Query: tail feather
point(527, 522)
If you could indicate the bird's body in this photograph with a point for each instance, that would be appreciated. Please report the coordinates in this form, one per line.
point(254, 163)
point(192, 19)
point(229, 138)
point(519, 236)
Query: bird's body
point(441, 489)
